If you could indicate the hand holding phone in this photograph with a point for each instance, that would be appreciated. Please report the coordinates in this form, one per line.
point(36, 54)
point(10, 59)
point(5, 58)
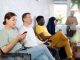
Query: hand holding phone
point(24, 32)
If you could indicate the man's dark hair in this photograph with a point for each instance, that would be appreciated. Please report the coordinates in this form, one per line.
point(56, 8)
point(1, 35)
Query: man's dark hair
point(24, 15)
point(38, 18)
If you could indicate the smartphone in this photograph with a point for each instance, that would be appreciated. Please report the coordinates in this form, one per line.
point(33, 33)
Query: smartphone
point(24, 32)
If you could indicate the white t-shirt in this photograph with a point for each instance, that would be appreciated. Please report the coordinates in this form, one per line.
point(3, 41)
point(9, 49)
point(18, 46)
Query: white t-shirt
point(31, 40)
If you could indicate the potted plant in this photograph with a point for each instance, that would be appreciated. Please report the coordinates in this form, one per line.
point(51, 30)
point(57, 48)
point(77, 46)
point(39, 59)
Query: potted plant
point(59, 19)
point(77, 2)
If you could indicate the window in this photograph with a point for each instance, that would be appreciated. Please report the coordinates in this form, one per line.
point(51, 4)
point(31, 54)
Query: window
point(59, 10)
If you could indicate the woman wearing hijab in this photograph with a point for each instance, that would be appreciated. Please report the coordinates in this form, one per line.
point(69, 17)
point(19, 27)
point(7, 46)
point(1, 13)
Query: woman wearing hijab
point(51, 29)
point(51, 25)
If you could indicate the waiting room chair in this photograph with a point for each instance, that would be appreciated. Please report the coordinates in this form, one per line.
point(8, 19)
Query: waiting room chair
point(14, 56)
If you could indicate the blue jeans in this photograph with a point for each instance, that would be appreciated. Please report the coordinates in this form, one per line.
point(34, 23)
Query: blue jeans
point(42, 57)
point(40, 52)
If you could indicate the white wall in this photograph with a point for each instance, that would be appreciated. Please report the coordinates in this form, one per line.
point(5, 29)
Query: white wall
point(19, 7)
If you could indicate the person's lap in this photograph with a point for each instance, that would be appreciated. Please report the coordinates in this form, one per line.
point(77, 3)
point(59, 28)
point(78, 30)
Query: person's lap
point(35, 52)
point(38, 52)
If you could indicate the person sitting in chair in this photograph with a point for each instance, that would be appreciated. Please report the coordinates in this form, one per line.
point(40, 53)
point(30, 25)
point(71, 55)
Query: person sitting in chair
point(37, 49)
point(52, 22)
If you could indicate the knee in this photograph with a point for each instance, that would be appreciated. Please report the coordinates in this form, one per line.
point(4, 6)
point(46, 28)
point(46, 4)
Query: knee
point(59, 32)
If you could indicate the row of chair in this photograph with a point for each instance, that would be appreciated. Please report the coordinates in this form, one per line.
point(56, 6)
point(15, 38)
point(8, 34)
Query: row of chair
point(14, 56)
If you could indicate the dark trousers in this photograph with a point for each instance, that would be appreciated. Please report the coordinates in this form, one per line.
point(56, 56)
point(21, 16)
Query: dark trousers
point(62, 53)
point(70, 33)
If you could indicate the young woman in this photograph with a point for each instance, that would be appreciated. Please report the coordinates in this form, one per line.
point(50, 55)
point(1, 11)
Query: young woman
point(51, 29)
point(51, 25)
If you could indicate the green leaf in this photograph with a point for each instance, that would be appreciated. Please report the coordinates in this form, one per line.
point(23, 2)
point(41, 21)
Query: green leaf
point(78, 3)
point(73, 3)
